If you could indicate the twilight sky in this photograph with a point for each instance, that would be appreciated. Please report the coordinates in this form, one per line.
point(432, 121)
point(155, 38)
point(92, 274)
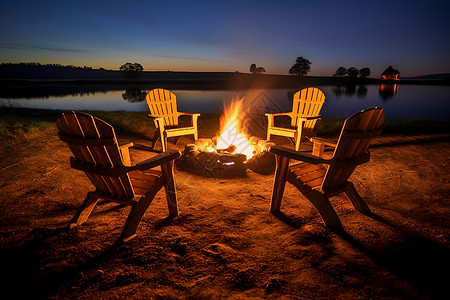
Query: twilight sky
point(412, 36)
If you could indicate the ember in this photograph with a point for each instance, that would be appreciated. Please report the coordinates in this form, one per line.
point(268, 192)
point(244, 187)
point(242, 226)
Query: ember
point(232, 152)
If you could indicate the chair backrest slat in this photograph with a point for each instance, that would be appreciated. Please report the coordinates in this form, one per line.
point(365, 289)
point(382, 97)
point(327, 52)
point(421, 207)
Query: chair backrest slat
point(356, 136)
point(100, 149)
point(163, 103)
point(307, 102)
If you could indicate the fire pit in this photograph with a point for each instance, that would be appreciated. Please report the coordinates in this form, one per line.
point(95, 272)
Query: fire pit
point(203, 158)
point(231, 152)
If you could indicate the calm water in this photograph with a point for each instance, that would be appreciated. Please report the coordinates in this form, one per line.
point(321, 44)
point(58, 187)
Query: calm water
point(399, 101)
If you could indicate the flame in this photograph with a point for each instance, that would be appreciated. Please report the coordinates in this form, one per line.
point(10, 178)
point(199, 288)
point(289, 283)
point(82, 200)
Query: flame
point(232, 132)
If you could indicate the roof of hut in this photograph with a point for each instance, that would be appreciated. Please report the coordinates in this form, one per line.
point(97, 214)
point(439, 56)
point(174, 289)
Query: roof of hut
point(390, 71)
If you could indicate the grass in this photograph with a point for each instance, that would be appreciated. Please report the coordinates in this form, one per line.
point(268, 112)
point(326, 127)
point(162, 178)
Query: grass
point(18, 122)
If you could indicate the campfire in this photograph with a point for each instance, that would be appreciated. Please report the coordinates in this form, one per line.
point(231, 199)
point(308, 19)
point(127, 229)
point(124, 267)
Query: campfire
point(231, 152)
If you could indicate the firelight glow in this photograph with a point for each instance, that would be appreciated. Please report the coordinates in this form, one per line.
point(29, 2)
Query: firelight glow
point(232, 132)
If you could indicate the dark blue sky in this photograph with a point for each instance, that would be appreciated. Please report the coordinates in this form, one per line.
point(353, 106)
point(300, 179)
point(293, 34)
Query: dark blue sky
point(412, 36)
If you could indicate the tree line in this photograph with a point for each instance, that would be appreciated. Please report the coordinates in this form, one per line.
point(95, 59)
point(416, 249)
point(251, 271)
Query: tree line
point(302, 66)
point(35, 64)
point(352, 72)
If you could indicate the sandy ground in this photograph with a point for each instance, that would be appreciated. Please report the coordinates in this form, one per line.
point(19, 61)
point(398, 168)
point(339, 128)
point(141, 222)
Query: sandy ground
point(225, 243)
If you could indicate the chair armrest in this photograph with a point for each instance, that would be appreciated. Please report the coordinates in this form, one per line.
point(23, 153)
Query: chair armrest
point(344, 163)
point(326, 142)
point(271, 118)
point(159, 121)
point(118, 171)
point(124, 150)
point(278, 114)
point(292, 154)
point(156, 160)
point(188, 114)
point(310, 118)
point(125, 145)
point(194, 117)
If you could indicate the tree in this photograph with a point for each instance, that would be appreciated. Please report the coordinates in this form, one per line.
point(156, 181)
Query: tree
point(129, 67)
point(131, 70)
point(301, 67)
point(352, 72)
point(364, 72)
point(341, 71)
point(256, 70)
point(134, 95)
point(260, 70)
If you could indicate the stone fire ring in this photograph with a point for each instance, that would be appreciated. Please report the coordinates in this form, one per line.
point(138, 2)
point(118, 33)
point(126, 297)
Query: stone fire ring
point(197, 158)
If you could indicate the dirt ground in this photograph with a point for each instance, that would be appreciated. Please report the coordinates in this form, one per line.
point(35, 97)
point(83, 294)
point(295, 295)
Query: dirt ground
point(225, 243)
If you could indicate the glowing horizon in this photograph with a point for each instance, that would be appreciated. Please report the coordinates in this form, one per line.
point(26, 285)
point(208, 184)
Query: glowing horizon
point(230, 36)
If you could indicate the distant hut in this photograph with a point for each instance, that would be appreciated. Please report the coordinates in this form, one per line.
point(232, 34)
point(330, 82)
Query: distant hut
point(390, 73)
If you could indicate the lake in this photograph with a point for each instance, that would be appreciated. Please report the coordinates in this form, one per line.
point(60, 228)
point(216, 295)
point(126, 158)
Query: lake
point(399, 101)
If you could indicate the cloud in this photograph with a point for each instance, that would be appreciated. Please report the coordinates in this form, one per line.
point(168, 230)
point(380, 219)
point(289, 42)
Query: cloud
point(42, 48)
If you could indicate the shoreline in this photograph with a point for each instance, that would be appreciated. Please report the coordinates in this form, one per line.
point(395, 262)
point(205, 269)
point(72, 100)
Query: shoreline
point(18, 122)
point(212, 80)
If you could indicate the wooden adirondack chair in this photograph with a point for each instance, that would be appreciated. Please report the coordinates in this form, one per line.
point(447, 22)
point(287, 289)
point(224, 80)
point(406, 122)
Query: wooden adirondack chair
point(318, 178)
point(96, 152)
point(304, 115)
point(163, 110)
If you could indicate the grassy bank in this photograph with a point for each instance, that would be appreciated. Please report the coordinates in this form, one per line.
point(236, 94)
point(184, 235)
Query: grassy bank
point(18, 122)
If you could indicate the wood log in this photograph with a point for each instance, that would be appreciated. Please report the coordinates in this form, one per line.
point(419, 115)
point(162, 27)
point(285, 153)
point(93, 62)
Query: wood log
point(197, 158)
point(262, 163)
point(254, 140)
point(230, 150)
point(265, 147)
point(204, 144)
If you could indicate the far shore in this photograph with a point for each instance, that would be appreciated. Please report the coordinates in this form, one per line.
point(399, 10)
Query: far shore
point(210, 80)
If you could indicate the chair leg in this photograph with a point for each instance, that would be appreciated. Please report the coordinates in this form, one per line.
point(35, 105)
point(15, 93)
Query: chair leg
point(85, 210)
point(135, 216)
point(292, 140)
point(164, 141)
point(195, 135)
point(279, 183)
point(177, 139)
point(318, 149)
point(156, 137)
point(358, 203)
point(297, 142)
point(326, 210)
point(169, 186)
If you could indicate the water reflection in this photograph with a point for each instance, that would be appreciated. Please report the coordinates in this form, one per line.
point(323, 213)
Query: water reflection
point(387, 91)
point(47, 91)
point(134, 95)
point(350, 90)
point(414, 101)
point(361, 92)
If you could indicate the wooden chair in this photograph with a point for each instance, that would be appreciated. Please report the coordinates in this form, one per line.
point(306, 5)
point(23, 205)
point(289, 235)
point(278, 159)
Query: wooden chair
point(163, 110)
point(304, 115)
point(318, 178)
point(96, 152)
